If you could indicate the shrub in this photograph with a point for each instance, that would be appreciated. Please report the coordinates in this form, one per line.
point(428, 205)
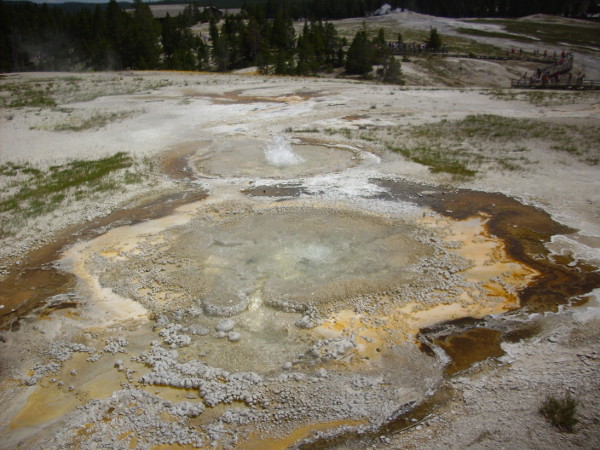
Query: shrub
point(560, 412)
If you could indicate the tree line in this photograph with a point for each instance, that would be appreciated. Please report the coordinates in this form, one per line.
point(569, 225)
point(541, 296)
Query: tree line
point(339, 9)
point(40, 37)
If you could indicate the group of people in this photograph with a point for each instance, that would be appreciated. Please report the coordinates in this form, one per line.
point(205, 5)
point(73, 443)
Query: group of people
point(412, 47)
point(545, 77)
point(546, 56)
point(555, 73)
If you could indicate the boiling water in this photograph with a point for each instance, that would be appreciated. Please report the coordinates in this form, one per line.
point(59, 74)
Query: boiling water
point(279, 153)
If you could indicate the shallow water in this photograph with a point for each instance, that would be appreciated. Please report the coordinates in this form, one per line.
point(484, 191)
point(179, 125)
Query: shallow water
point(255, 158)
point(297, 253)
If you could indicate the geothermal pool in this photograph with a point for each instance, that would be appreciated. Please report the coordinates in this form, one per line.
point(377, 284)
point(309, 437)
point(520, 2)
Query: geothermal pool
point(299, 254)
point(270, 269)
point(276, 158)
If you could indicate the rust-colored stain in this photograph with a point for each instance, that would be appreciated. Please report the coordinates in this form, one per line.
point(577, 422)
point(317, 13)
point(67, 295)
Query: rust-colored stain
point(524, 230)
point(469, 347)
point(28, 284)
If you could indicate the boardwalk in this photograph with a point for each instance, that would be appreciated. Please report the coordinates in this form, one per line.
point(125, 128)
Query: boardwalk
point(557, 75)
point(551, 84)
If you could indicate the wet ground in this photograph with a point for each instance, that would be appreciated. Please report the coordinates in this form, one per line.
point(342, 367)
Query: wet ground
point(36, 279)
point(283, 311)
point(526, 232)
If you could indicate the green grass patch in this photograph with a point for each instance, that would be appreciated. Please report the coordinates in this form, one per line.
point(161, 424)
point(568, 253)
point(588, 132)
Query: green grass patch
point(438, 160)
point(463, 148)
point(544, 98)
point(458, 44)
point(30, 192)
point(585, 35)
point(33, 194)
point(11, 169)
point(494, 34)
point(454, 44)
point(36, 94)
point(560, 412)
point(301, 130)
point(98, 120)
point(30, 98)
point(50, 92)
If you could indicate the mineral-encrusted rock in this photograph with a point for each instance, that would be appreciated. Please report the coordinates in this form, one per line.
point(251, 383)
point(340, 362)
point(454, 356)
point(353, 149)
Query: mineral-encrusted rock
point(171, 335)
point(225, 325)
point(187, 409)
point(330, 349)
point(39, 370)
point(115, 345)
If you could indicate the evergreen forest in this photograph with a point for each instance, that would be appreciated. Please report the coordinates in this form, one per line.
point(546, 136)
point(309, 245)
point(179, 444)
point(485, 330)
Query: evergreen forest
point(107, 37)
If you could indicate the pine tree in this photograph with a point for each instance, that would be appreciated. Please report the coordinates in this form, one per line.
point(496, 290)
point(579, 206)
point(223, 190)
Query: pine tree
point(252, 41)
point(145, 34)
point(283, 36)
point(307, 58)
point(434, 41)
point(118, 33)
point(6, 48)
point(334, 53)
point(380, 48)
point(392, 72)
point(359, 57)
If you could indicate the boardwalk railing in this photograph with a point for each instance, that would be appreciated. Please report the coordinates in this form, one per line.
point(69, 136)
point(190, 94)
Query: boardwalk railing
point(551, 84)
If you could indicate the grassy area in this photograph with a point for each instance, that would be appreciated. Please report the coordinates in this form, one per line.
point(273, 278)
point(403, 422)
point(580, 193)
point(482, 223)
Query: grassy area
point(27, 191)
point(97, 120)
point(440, 159)
point(458, 146)
point(441, 70)
point(463, 148)
point(454, 147)
point(301, 130)
point(456, 44)
point(48, 93)
point(19, 95)
point(495, 34)
point(552, 33)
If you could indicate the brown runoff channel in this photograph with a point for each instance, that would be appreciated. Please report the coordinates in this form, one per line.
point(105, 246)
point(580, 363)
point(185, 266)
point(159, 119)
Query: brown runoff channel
point(34, 280)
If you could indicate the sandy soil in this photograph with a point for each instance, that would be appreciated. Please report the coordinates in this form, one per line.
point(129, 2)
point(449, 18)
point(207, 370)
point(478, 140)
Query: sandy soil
point(492, 404)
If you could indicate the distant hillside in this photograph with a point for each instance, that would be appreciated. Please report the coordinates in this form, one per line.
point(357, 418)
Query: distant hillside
point(77, 6)
point(221, 4)
point(72, 7)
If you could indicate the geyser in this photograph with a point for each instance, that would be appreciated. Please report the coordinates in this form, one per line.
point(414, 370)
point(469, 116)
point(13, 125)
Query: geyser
point(277, 158)
point(279, 152)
